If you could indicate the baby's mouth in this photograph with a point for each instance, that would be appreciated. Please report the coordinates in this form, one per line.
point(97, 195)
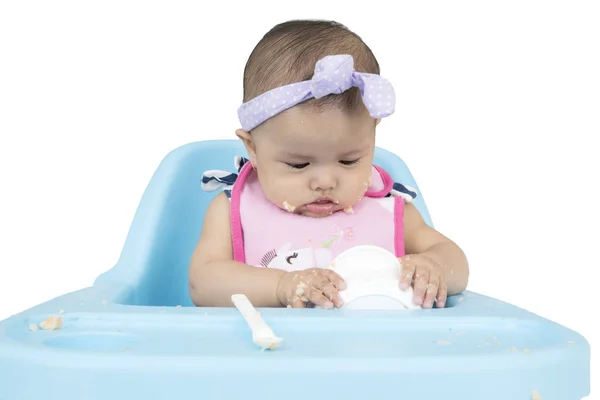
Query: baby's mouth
point(325, 200)
point(322, 206)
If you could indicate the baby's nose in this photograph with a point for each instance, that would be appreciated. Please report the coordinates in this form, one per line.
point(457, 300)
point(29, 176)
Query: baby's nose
point(323, 180)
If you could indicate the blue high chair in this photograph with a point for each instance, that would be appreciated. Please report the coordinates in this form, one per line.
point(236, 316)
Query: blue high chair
point(126, 338)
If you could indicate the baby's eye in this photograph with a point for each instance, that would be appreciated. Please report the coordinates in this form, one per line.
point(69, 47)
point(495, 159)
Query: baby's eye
point(349, 162)
point(298, 166)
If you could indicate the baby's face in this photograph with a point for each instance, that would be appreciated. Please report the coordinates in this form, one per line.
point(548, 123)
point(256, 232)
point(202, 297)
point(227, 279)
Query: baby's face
point(315, 163)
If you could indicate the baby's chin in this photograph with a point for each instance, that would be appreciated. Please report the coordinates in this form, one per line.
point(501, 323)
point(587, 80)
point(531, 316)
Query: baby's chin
point(312, 215)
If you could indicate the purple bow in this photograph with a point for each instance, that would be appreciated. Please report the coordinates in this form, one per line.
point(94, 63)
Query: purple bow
point(333, 75)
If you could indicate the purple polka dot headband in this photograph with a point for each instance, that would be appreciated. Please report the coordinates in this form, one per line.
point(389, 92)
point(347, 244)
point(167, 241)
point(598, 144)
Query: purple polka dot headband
point(333, 75)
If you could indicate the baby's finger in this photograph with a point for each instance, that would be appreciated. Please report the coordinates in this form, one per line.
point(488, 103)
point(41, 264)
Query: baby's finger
point(298, 297)
point(407, 272)
point(331, 292)
point(432, 290)
point(442, 295)
point(319, 280)
point(318, 299)
point(327, 288)
point(420, 287)
point(297, 302)
point(334, 278)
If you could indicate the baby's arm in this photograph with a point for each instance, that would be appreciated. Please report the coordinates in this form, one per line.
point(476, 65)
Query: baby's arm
point(423, 242)
point(214, 276)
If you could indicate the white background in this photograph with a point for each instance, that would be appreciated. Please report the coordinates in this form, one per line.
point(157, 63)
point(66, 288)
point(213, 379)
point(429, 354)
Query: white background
point(497, 118)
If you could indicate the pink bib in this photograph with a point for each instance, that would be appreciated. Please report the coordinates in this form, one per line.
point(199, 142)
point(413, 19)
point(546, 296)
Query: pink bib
point(264, 235)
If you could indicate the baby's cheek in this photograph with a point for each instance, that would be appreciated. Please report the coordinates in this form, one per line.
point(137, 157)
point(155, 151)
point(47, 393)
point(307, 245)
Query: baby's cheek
point(361, 186)
point(284, 196)
point(293, 197)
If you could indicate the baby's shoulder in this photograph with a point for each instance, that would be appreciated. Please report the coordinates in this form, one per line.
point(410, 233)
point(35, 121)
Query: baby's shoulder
point(221, 200)
point(217, 218)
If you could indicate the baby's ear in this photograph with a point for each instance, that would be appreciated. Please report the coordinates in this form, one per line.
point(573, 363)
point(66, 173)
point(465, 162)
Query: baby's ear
point(246, 137)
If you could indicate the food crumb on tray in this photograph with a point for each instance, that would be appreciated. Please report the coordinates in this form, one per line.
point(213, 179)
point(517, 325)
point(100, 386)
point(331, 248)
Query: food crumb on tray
point(51, 323)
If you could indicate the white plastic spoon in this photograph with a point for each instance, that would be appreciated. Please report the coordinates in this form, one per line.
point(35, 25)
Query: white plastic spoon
point(262, 334)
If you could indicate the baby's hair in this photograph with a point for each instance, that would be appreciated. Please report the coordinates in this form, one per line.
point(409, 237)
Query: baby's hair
point(289, 52)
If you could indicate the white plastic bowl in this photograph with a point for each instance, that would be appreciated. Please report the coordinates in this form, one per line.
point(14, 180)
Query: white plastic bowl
point(372, 275)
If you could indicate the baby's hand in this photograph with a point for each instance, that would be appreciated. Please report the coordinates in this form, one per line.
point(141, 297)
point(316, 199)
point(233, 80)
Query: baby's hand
point(428, 278)
point(315, 285)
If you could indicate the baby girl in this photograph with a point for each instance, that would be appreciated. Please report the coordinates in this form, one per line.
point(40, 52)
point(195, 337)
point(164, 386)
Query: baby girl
point(313, 98)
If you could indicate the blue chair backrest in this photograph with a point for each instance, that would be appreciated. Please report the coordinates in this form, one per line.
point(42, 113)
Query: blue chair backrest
point(155, 258)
